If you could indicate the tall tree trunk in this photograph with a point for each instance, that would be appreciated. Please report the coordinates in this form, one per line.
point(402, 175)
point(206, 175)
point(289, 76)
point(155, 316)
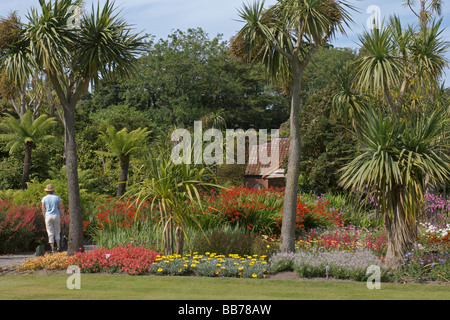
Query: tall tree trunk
point(26, 165)
point(166, 230)
point(401, 235)
point(293, 169)
point(179, 240)
point(123, 177)
point(75, 221)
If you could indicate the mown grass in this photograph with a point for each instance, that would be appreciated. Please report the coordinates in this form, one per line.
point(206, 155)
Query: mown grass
point(124, 287)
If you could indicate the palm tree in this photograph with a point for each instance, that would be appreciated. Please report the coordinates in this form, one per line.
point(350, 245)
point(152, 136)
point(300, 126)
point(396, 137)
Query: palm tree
point(397, 61)
point(124, 144)
point(73, 57)
point(395, 156)
point(379, 69)
point(347, 102)
point(284, 37)
point(173, 190)
point(28, 93)
point(426, 9)
point(26, 133)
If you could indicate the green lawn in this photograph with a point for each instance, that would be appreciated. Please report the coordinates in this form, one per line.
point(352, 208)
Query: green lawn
point(102, 286)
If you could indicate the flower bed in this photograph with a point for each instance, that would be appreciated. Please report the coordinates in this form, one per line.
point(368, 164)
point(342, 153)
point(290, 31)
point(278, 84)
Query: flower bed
point(348, 238)
point(57, 261)
point(212, 265)
point(422, 265)
point(337, 264)
point(128, 259)
point(261, 210)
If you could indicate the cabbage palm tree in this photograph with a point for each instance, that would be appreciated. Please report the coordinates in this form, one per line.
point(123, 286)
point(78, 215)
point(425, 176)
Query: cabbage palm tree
point(347, 102)
point(173, 190)
point(397, 60)
point(427, 9)
point(395, 156)
point(25, 133)
point(284, 37)
point(379, 69)
point(72, 56)
point(124, 144)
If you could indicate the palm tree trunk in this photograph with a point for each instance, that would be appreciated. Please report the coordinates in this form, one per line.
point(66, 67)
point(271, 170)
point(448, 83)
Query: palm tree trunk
point(75, 221)
point(123, 177)
point(401, 235)
point(293, 169)
point(26, 165)
point(166, 230)
point(179, 240)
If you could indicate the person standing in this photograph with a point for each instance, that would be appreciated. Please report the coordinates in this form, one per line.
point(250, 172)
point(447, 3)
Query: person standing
point(53, 211)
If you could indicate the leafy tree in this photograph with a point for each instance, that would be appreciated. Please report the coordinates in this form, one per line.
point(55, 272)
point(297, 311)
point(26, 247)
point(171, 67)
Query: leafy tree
point(121, 116)
point(190, 76)
point(326, 144)
point(124, 144)
point(72, 57)
point(284, 37)
point(26, 133)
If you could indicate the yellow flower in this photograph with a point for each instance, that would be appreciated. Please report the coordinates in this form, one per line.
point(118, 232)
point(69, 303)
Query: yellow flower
point(193, 265)
point(254, 275)
point(160, 269)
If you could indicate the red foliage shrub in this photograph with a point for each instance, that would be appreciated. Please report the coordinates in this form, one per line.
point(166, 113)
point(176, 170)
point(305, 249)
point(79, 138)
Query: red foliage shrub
point(21, 227)
point(129, 259)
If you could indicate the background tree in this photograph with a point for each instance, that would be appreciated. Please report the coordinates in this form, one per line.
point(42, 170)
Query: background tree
point(28, 93)
point(427, 9)
point(73, 56)
point(124, 144)
point(190, 75)
point(284, 37)
point(26, 133)
point(396, 63)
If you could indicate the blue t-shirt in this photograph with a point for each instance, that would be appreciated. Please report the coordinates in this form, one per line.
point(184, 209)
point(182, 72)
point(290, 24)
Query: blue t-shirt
point(51, 203)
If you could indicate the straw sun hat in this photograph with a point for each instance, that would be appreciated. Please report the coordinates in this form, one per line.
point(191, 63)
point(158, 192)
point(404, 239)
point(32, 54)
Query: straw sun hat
point(49, 188)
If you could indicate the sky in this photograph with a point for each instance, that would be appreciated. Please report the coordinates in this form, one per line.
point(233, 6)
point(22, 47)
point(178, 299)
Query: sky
point(161, 17)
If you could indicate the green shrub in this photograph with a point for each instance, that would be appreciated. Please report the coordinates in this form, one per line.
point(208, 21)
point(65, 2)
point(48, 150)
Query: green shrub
point(228, 240)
